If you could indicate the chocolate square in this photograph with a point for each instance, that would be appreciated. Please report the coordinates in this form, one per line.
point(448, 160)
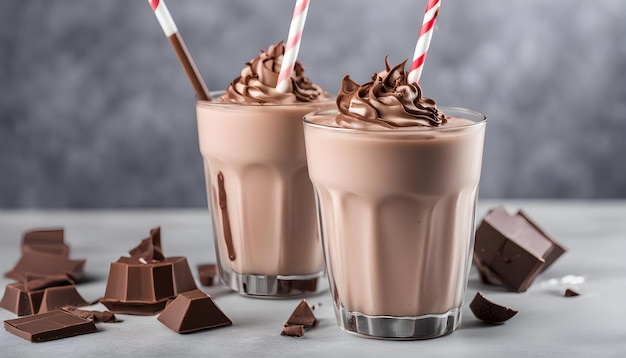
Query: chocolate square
point(511, 250)
point(48, 326)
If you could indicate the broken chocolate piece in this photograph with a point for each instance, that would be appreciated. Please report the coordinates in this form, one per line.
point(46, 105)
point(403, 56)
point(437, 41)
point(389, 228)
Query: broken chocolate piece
point(143, 283)
point(302, 315)
point(571, 293)
point(150, 248)
point(489, 311)
point(50, 325)
point(96, 316)
point(207, 274)
point(293, 331)
point(136, 288)
point(20, 301)
point(511, 250)
point(48, 241)
point(193, 311)
point(61, 296)
point(42, 265)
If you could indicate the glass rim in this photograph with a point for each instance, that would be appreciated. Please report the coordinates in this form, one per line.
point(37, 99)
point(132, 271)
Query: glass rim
point(216, 94)
point(477, 118)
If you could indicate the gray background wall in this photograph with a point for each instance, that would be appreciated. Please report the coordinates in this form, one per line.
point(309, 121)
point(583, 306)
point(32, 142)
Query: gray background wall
point(95, 110)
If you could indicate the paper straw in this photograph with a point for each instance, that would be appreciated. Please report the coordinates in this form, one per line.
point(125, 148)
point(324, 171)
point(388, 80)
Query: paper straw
point(171, 31)
point(293, 44)
point(423, 40)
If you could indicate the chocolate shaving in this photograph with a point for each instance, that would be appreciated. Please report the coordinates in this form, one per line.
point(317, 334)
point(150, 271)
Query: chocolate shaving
point(571, 293)
point(150, 248)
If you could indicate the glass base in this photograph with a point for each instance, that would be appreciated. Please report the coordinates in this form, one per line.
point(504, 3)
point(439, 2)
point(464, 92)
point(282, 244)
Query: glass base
point(399, 328)
point(270, 286)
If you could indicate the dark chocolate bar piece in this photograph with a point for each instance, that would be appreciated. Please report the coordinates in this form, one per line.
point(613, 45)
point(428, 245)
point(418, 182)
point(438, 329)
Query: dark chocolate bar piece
point(50, 325)
point(193, 311)
point(571, 293)
point(490, 312)
point(511, 250)
point(302, 315)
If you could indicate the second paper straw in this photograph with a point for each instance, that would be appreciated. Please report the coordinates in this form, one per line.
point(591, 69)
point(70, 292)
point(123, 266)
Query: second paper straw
point(171, 31)
point(292, 47)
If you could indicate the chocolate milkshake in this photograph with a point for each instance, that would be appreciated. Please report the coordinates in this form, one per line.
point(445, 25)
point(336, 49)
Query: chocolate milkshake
point(396, 182)
point(258, 188)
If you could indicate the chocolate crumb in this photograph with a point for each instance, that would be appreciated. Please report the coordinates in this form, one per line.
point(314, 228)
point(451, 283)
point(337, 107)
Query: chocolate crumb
point(490, 312)
point(293, 331)
point(571, 293)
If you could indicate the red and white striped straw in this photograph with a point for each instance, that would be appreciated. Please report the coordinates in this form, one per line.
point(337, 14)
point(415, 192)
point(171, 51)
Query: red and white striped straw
point(171, 31)
point(423, 40)
point(293, 44)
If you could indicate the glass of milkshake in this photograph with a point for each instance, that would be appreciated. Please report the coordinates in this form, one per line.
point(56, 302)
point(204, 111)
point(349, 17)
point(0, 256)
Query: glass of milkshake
point(258, 188)
point(396, 183)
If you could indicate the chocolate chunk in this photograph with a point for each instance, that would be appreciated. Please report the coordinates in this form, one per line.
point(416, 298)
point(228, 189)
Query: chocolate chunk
point(42, 264)
point(302, 315)
point(207, 274)
point(20, 301)
point(193, 311)
point(511, 250)
point(293, 331)
point(150, 248)
point(571, 293)
point(96, 316)
point(182, 276)
point(136, 288)
point(143, 283)
point(489, 311)
point(59, 297)
point(48, 326)
point(49, 241)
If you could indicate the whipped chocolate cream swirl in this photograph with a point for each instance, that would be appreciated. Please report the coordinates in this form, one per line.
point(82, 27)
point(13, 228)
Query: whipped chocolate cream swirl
point(387, 101)
point(257, 83)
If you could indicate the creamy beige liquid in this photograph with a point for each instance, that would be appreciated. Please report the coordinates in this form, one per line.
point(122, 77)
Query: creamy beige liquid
point(397, 213)
point(269, 203)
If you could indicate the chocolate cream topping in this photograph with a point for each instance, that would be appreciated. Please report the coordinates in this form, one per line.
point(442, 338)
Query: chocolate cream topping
point(257, 83)
point(387, 101)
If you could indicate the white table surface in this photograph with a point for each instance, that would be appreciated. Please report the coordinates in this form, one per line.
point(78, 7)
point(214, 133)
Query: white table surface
point(548, 324)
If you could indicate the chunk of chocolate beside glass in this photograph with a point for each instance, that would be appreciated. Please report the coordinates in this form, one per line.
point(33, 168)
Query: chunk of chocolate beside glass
point(490, 312)
point(193, 311)
point(511, 250)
